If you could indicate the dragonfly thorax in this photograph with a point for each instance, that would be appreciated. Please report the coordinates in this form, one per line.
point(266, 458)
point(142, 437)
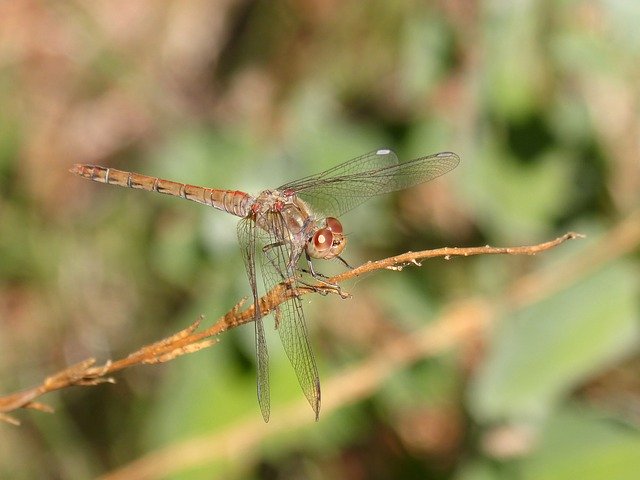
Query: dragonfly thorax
point(290, 219)
point(287, 217)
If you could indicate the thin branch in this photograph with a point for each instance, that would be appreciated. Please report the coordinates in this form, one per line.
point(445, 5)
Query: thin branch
point(459, 323)
point(189, 340)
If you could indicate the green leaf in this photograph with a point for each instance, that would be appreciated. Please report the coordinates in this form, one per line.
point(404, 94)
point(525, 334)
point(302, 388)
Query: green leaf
point(582, 445)
point(542, 352)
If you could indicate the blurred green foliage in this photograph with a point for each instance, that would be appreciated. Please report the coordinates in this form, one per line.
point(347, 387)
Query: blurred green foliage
point(539, 99)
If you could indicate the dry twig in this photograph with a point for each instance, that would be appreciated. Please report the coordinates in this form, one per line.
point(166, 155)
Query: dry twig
point(460, 322)
point(189, 340)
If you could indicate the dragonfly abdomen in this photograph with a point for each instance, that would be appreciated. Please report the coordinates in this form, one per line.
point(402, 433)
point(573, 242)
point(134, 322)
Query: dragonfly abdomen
point(231, 201)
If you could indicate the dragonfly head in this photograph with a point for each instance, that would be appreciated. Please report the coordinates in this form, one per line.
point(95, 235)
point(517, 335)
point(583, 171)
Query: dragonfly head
point(327, 242)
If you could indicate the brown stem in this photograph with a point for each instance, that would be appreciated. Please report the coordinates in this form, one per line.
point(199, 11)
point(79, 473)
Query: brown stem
point(86, 373)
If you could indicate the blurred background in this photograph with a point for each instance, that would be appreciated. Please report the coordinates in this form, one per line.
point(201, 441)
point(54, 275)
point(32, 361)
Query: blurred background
point(541, 100)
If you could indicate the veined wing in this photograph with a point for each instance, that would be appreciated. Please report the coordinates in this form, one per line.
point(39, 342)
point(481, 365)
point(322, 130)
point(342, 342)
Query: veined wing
point(247, 231)
point(279, 265)
point(345, 186)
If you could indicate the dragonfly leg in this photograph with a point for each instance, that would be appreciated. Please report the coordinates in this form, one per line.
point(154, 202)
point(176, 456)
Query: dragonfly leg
point(320, 277)
point(317, 289)
point(285, 278)
point(344, 262)
point(311, 271)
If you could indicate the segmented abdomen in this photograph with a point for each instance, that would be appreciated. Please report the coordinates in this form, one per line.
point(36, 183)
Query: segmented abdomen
point(232, 201)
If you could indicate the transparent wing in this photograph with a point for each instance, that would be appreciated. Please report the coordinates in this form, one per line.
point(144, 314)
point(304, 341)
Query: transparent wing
point(345, 186)
point(247, 232)
point(278, 265)
point(295, 340)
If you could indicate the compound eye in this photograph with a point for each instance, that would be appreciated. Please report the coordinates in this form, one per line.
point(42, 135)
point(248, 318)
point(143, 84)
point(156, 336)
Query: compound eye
point(323, 239)
point(334, 225)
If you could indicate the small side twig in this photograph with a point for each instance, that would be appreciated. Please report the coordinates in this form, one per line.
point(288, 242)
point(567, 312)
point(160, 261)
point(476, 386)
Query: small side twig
point(189, 340)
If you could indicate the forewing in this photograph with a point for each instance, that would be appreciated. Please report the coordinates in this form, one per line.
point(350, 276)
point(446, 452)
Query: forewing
point(344, 187)
point(279, 265)
point(247, 232)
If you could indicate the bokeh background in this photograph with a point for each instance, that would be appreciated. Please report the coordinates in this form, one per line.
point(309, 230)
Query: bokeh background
point(541, 100)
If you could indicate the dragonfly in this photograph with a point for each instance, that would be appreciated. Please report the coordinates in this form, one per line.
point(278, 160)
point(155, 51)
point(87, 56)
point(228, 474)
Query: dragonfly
point(280, 226)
